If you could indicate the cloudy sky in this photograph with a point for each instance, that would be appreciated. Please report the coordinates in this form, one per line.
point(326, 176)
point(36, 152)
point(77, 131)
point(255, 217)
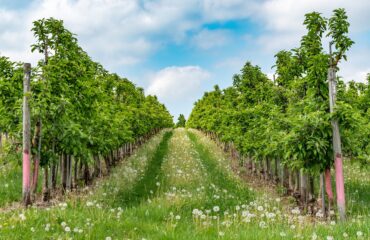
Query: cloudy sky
point(179, 49)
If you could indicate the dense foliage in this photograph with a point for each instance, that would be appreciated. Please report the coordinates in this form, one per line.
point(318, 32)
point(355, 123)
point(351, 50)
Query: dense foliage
point(288, 119)
point(79, 110)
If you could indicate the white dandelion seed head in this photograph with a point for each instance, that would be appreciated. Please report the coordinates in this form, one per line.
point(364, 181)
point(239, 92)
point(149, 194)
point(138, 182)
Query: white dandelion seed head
point(22, 217)
point(282, 234)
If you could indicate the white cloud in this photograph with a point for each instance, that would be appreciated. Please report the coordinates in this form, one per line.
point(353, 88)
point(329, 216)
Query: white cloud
point(177, 83)
point(116, 31)
point(178, 87)
point(228, 9)
point(207, 39)
point(283, 28)
point(122, 33)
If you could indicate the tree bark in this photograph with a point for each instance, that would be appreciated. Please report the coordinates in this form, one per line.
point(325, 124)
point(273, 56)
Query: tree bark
point(303, 186)
point(46, 188)
point(64, 169)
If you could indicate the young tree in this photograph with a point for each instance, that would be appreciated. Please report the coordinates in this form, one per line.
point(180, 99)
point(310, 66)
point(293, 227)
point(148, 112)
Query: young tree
point(181, 121)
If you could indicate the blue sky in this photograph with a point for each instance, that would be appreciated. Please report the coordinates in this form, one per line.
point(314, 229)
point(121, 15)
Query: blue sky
point(177, 50)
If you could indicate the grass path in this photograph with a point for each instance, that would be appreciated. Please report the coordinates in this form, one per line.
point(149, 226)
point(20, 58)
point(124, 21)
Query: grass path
point(177, 186)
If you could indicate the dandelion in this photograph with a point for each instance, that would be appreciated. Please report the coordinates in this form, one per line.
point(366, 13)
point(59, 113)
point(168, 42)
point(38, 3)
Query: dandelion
point(178, 217)
point(216, 208)
point(67, 229)
point(108, 238)
point(89, 204)
point(47, 227)
point(329, 238)
point(359, 234)
point(63, 224)
point(332, 223)
point(345, 235)
point(245, 213)
point(262, 224)
point(314, 236)
point(22, 216)
point(237, 208)
point(296, 211)
point(282, 234)
point(260, 208)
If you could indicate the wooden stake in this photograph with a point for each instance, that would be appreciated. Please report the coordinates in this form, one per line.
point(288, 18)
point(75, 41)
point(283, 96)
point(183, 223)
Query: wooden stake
point(26, 164)
point(336, 142)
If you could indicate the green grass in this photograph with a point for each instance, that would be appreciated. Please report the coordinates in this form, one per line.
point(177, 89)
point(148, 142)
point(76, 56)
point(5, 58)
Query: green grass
point(11, 180)
point(177, 186)
point(10, 183)
point(146, 186)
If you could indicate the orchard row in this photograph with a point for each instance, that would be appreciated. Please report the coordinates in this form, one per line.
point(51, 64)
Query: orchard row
point(83, 119)
point(284, 128)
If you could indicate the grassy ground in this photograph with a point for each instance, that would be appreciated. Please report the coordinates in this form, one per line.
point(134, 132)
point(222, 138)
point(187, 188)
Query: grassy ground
point(10, 180)
point(178, 186)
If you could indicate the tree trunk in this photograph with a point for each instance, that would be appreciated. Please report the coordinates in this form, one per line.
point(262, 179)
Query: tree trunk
point(46, 188)
point(303, 187)
point(296, 185)
point(328, 187)
point(291, 181)
point(322, 191)
point(64, 169)
point(36, 143)
point(54, 175)
point(97, 167)
point(75, 174)
point(107, 163)
point(86, 174)
point(276, 173)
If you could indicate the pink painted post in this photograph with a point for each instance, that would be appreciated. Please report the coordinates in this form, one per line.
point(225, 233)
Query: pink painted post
point(26, 171)
point(341, 201)
point(337, 145)
point(26, 136)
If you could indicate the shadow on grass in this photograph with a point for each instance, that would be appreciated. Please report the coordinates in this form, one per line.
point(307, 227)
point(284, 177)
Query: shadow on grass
point(146, 186)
